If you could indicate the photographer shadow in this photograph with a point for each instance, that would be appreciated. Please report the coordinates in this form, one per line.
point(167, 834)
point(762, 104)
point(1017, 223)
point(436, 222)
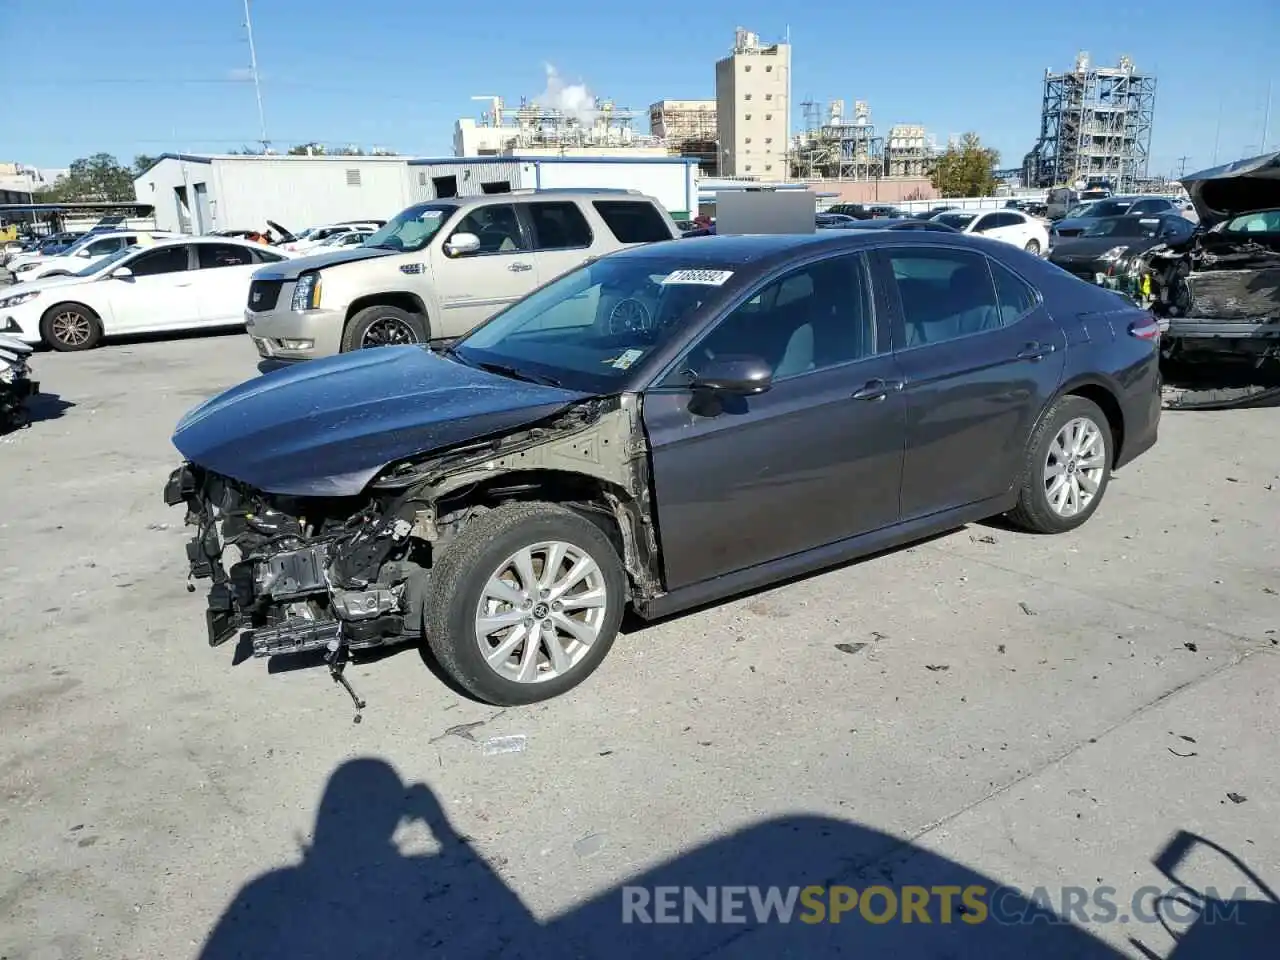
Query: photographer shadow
point(355, 894)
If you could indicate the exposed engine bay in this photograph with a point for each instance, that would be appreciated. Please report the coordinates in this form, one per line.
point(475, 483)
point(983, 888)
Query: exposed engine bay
point(299, 574)
point(16, 385)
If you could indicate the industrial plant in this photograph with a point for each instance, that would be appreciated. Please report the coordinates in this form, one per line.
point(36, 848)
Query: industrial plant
point(597, 127)
point(1095, 127)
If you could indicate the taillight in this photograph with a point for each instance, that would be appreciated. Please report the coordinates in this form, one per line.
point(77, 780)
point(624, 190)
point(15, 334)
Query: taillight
point(1148, 328)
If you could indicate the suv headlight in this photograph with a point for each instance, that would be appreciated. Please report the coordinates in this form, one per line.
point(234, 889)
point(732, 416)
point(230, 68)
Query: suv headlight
point(306, 292)
point(18, 298)
point(1114, 253)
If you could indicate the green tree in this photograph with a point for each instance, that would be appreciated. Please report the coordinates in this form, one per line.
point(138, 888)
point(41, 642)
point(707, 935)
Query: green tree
point(99, 177)
point(966, 169)
point(307, 150)
point(141, 163)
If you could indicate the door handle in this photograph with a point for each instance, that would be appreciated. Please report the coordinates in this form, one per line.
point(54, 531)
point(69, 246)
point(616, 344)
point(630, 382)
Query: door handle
point(1035, 351)
point(520, 267)
point(877, 389)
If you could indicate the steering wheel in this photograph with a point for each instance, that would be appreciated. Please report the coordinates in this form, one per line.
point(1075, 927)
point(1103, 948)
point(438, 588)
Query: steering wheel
point(630, 316)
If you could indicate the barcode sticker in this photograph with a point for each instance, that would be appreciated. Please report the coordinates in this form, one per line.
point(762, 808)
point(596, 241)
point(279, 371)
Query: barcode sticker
point(709, 278)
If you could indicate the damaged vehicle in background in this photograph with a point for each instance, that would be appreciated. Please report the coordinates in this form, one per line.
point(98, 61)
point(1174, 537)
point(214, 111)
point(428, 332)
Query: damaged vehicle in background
point(16, 385)
point(659, 428)
point(1217, 292)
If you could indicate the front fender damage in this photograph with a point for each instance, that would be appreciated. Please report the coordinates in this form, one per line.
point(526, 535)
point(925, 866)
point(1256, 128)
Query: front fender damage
point(291, 575)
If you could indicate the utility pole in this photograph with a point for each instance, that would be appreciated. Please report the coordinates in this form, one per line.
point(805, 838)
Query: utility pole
point(1217, 131)
point(1182, 165)
point(253, 69)
point(1266, 118)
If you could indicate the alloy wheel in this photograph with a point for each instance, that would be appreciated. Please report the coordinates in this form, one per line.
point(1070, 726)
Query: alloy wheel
point(387, 332)
point(1074, 467)
point(540, 612)
point(71, 329)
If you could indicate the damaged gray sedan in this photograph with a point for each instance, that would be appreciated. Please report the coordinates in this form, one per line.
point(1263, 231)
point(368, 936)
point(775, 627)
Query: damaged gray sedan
point(658, 429)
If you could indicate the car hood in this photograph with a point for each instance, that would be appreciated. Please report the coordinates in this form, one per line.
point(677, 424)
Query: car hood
point(297, 265)
point(27, 286)
point(1097, 246)
point(329, 426)
point(1221, 193)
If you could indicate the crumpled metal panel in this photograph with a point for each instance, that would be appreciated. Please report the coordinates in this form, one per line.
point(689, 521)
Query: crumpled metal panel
point(1235, 294)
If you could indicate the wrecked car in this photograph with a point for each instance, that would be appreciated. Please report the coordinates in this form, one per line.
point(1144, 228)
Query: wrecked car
point(659, 428)
point(16, 385)
point(1218, 291)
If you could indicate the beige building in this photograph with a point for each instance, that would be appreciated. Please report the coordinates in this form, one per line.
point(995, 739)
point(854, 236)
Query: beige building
point(753, 108)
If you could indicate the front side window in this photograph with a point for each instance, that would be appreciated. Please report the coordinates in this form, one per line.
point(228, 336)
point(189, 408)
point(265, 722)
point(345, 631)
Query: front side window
point(633, 221)
point(814, 317)
point(412, 229)
point(212, 255)
point(106, 263)
point(497, 227)
point(155, 262)
point(945, 295)
point(558, 226)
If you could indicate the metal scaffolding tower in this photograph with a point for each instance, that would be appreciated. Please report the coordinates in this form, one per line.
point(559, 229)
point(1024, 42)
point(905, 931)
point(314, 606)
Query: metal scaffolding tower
point(1095, 126)
point(833, 148)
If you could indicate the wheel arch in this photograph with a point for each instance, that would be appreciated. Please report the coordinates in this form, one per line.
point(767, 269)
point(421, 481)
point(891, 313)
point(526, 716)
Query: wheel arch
point(400, 299)
point(79, 304)
point(1106, 396)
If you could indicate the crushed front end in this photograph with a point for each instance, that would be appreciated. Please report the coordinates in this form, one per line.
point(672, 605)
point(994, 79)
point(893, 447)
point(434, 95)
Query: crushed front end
point(301, 574)
point(16, 385)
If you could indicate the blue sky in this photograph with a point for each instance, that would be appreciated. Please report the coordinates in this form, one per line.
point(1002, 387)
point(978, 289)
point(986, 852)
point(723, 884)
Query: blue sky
point(145, 76)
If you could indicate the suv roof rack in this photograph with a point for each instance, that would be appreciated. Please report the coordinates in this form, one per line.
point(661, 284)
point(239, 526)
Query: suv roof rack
point(528, 190)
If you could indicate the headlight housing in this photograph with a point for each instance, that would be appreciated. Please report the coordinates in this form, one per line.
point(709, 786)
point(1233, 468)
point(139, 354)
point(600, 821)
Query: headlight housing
point(18, 298)
point(306, 292)
point(24, 267)
point(1115, 253)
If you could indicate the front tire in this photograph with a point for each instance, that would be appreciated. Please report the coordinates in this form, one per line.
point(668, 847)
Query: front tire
point(1067, 467)
point(1033, 247)
point(383, 326)
point(525, 603)
point(68, 327)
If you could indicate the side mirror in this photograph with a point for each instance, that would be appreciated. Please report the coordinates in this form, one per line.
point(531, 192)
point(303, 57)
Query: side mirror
point(460, 244)
point(741, 375)
point(82, 253)
point(121, 273)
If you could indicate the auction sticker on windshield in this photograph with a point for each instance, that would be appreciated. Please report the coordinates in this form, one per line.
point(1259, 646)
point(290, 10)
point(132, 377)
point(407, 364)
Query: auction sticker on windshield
point(626, 359)
point(709, 278)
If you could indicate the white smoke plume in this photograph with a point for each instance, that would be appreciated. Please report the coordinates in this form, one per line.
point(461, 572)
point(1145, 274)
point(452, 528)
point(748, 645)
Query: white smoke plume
point(572, 99)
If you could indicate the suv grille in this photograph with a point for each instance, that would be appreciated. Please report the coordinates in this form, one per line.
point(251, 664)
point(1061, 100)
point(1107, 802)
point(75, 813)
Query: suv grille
point(263, 294)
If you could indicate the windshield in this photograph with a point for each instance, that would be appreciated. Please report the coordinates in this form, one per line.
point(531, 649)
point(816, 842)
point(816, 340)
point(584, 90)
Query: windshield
point(1079, 210)
point(411, 230)
point(957, 220)
point(1110, 208)
point(587, 329)
point(1124, 227)
point(1265, 221)
point(105, 262)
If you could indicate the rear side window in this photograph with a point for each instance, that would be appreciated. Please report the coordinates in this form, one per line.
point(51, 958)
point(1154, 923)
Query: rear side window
point(266, 256)
point(945, 295)
point(1014, 294)
point(633, 221)
point(558, 226)
point(223, 255)
point(100, 247)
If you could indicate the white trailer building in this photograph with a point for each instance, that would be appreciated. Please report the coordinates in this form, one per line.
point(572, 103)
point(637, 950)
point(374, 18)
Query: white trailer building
point(196, 193)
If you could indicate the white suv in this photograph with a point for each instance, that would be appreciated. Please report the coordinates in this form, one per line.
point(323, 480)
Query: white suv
point(439, 269)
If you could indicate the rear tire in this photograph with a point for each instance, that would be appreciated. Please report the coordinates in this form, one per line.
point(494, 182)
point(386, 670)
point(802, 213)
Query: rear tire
point(68, 327)
point(380, 326)
point(1066, 469)
point(479, 605)
point(1033, 247)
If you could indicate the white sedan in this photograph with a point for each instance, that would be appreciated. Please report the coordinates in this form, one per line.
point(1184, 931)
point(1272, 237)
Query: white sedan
point(1009, 226)
point(186, 284)
point(88, 250)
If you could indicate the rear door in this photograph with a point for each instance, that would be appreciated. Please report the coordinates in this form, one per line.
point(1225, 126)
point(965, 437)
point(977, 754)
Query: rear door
point(981, 358)
point(223, 273)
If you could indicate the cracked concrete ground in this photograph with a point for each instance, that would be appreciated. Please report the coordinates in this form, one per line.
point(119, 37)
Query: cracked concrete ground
point(1038, 712)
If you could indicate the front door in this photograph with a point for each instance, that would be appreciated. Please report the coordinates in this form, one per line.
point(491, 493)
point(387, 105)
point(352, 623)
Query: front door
point(473, 287)
point(981, 357)
point(740, 481)
point(160, 292)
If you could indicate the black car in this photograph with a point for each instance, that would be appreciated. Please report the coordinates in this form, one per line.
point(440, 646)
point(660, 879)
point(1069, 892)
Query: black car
point(657, 429)
point(931, 212)
point(1109, 242)
point(898, 223)
point(1113, 207)
point(855, 210)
